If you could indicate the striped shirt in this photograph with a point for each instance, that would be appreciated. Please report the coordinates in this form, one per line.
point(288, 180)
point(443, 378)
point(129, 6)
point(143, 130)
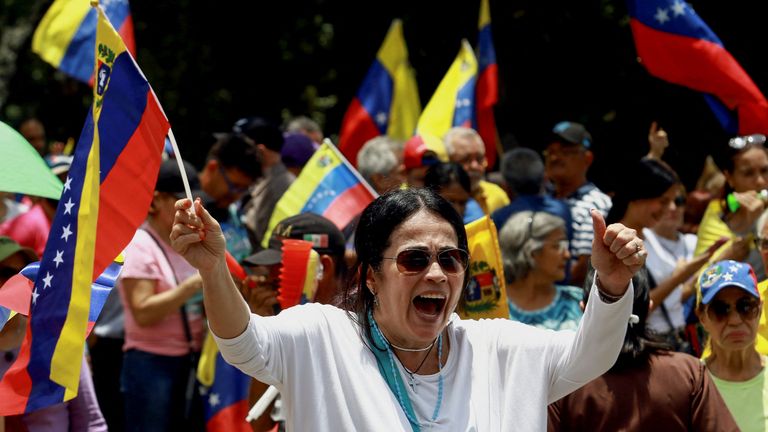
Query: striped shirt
point(586, 197)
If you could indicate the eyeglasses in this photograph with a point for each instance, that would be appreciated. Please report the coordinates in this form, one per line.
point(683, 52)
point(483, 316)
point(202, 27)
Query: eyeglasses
point(739, 142)
point(414, 261)
point(233, 188)
point(679, 201)
point(718, 310)
point(561, 245)
point(761, 243)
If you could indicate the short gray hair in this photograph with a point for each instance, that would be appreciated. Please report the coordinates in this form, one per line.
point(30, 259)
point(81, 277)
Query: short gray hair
point(522, 235)
point(378, 156)
point(460, 132)
point(303, 123)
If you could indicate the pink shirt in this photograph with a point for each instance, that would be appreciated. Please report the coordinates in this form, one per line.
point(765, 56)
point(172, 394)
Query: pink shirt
point(144, 260)
point(29, 229)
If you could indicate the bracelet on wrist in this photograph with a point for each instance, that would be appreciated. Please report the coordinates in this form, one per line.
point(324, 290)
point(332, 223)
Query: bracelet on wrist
point(604, 296)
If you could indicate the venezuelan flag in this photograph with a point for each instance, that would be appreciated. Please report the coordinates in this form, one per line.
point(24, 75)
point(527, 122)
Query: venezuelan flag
point(453, 103)
point(329, 186)
point(487, 91)
point(105, 198)
point(225, 391)
point(486, 295)
point(388, 101)
point(66, 34)
point(676, 45)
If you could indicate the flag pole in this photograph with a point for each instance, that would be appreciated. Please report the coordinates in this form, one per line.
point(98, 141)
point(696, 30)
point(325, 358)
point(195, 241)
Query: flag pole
point(349, 165)
point(181, 164)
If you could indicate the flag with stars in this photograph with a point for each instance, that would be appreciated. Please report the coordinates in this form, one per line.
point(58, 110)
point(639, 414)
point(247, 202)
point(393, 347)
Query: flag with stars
point(224, 390)
point(453, 103)
point(487, 91)
point(105, 198)
point(387, 102)
point(675, 44)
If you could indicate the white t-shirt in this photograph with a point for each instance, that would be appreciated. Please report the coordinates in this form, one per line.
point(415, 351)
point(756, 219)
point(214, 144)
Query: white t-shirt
point(499, 375)
point(663, 255)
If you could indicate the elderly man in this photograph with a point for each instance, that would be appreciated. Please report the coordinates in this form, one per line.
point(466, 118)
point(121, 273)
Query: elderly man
point(465, 147)
point(567, 160)
point(380, 163)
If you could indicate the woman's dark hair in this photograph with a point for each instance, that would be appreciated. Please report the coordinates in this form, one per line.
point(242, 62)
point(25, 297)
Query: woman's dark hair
point(725, 156)
point(640, 341)
point(649, 178)
point(442, 175)
point(377, 222)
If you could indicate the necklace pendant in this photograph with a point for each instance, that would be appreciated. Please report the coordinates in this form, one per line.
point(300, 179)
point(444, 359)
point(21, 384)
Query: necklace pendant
point(413, 383)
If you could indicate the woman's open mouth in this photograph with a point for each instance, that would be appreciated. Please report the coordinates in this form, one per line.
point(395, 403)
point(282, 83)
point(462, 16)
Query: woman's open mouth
point(429, 304)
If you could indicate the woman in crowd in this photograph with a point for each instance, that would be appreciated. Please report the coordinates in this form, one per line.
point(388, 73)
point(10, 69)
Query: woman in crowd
point(450, 181)
point(672, 265)
point(534, 248)
point(163, 329)
point(744, 163)
point(396, 357)
point(729, 307)
point(648, 388)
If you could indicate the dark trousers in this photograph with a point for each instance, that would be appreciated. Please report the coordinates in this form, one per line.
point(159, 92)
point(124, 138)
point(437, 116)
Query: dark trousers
point(107, 365)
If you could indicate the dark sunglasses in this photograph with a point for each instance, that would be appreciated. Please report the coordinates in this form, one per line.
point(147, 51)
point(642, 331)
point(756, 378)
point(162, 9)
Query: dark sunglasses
point(414, 261)
point(739, 142)
point(233, 188)
point(718, 310)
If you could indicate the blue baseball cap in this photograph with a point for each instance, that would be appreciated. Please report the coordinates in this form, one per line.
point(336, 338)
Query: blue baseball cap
point(724, 274)
point(572, 133)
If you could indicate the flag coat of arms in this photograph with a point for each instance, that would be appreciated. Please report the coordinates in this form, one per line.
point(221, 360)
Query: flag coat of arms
point(486, 295)
point(329, 186)
point(487, 91)
point(453, 103)
point(105, 198)
point(66, 34)
point(676, 45)
point(387, 102)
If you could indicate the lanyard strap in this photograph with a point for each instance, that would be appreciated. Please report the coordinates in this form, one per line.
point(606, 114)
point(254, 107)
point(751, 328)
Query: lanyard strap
point(388, 370)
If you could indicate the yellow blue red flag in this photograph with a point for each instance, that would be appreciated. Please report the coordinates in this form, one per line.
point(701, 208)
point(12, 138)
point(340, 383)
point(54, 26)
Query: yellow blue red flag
point(329, 186)
point(105, 198)
point(66, 34)
point(453, 103)
point(387, 102)
point(487, 91)
point(486, 296)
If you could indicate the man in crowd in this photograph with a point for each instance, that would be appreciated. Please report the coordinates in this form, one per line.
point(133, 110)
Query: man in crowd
point(231, 167)
point(465, 147)
point(567, 159)
point(265, 194)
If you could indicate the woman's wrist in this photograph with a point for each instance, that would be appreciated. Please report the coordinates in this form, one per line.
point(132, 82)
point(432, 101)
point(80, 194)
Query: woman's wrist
point(605, 295)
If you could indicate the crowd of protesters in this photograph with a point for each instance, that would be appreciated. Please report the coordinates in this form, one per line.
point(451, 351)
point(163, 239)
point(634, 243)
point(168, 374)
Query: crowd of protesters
point(653, 321)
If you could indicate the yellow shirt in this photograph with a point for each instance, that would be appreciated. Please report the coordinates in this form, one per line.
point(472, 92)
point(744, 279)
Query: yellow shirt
point(491, 197)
